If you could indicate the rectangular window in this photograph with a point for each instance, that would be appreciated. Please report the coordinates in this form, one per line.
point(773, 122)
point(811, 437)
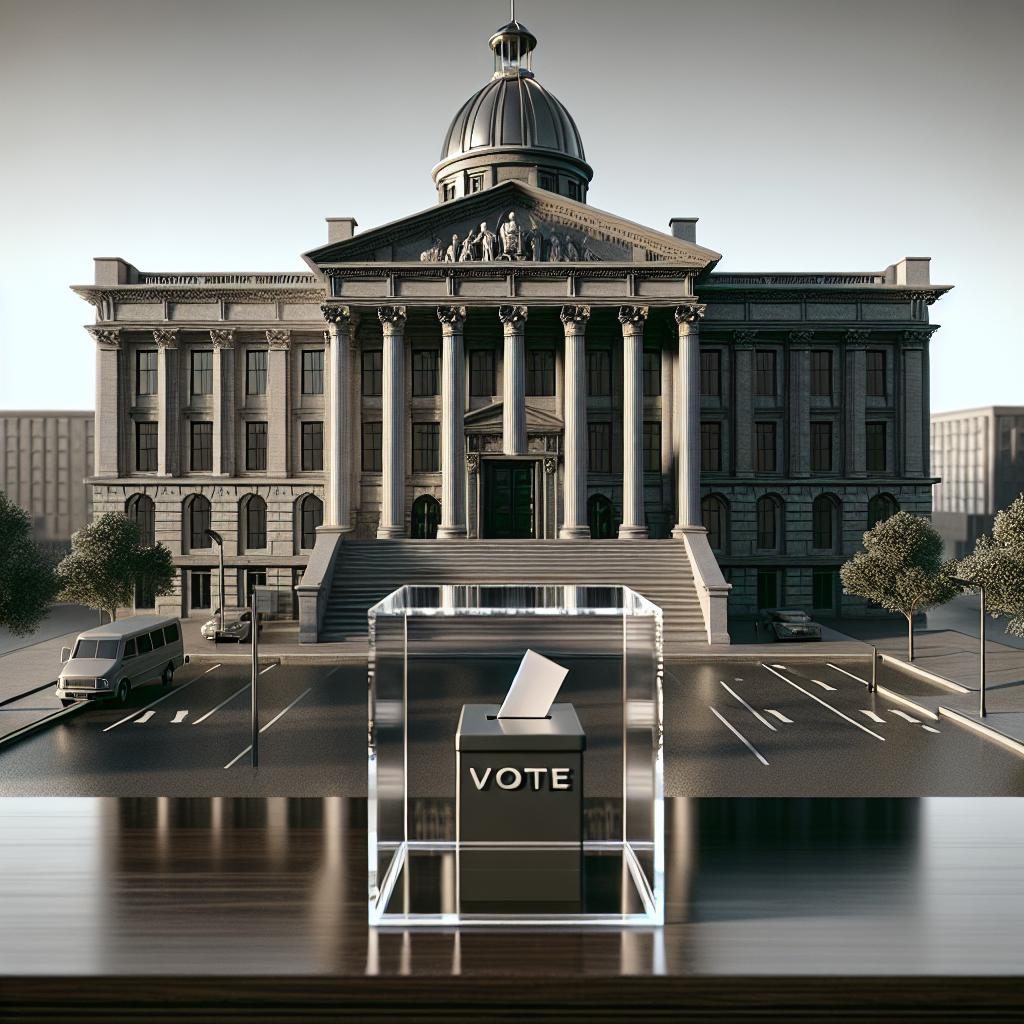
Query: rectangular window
point(769, 589)
point(874, 361)
point(821, 447)
point(574, 190)
point(145, 447)
point(312, 447)
point(448, 191)
point(652, 373)
point(145, 372)
point(481, 373)
point(874, 437)
point(710, 373)
point(372, 447)
point(313, 371)
point(599, 373)
point(373, 365)
point(202, 372)
point(764, 447)
point(202, 446)
point(547, 181)
point(711, 447)
point(821, 373)
point(425, 368)
point(426, 447)
point(255, 446)
point(145, 644)
point(599, 448)
point(476, 183)
point(199, 585)
point(823, 589)
point(764, 373)
point(540, 372)
point(256, 372)
point(652, 446)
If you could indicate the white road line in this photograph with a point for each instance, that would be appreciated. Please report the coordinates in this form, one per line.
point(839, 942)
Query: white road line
point(758, 716)
point(179, 717)
point(212, 668)
point(268, 668)
point(172, 693)
point(227, 700)
point(905, 716)
point(750, 746)
point(824, 704)
point(845, 673)
point(779, 715)
point(777, 666)
point(873, 716)
point(824, 686)
point(143, 719)
point(928, 728)
point(268, 725)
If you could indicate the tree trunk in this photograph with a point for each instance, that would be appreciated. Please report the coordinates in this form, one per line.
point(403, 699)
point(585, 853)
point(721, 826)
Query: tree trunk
point(112, 612)
point(910, 637)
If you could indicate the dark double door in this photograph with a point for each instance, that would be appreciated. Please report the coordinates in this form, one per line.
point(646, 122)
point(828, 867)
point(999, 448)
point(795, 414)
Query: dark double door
point(508, 499)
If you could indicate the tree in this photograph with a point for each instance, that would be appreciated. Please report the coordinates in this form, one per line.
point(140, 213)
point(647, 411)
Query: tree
point(27, 583)
point(107, 563)
point(901, 568)
point(998, 563)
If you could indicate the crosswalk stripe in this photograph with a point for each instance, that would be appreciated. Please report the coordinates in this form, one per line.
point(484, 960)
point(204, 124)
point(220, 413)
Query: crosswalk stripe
point(779, 715)
point(873, 716)
point(142, 719)
point(928, 728)
point(824, 686)
point(179, 717)
point(905, 716)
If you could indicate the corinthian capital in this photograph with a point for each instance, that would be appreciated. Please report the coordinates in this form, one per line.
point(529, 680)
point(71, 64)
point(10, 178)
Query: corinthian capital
point(279, 338)
point(340, 316)
point(575, 316)
point(108, 337)
point(223, 337)
point(690, 313)
point(392, 318)
point(918, 337)
point(633, 317)
point(166, 337)
point(513, 317)
point(857, 337)
point(744, 339)
point(801, 338)
point(452, 318)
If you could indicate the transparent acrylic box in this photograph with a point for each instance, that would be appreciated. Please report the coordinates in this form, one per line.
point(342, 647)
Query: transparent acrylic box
point(434, 649)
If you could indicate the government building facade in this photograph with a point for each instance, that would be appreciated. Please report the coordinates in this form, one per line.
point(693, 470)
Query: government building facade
point(515, 377)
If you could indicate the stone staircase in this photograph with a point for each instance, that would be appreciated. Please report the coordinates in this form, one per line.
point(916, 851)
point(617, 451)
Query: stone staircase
point(366, 571)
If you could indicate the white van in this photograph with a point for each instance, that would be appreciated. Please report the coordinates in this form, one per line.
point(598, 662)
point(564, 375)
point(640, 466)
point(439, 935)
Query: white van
point(110, 661)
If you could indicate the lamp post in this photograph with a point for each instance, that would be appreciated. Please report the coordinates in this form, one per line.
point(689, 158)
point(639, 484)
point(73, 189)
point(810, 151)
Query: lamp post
point(219, 541)
point(974, 585)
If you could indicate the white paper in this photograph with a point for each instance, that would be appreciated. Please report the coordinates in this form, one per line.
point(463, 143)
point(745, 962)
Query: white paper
point(534, 688)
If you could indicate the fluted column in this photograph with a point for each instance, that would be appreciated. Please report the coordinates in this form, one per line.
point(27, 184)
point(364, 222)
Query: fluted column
point(634, 525)
point(279, 343)
point(338, 505)
point(743, 354)
point(574, 322)
point(453, 431)
point(688, 318)
point(513, 389)
point(855, 389)
point(223, 340)
point(799, 376)
point(109, 422)
point(166, 339)
point(914, 412)
point(392, 506)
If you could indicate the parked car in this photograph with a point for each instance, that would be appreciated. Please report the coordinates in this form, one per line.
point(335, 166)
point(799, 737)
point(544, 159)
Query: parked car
point(237, 625)
point(789, 624)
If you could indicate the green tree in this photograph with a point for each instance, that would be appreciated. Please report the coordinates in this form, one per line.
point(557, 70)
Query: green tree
point(27, 583)
point(901, 569)
point(107, 562)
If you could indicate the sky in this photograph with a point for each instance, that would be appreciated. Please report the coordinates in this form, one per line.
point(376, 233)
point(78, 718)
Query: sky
point(810, 135)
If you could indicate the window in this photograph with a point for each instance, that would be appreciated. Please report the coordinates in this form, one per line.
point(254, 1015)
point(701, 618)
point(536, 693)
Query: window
point(769, 515)
point(769, 588)
point(821, 447)
point(481, 373)
point(540, 372)
point(373, 365)
point(821, 372)
point(652, 373)
point(599, 447)
point(256, 372)
point(372, 447)
point(145, 447)
point(202, 372)
point(574, 190)
point(652, 446)
point(711, 373)
point(312, 446)
point(201, 459)
point(199, 596)
point(426, 517)
point(254, 522)
point(425, 365)
point(145, 372)
point(880, 508)
point(252, 577)
point(764, 447)
point(711, 447)
point(311, 515)
point(824, 515)
point(87, 648)
point(129, 648)
point(157, 638)
point(476, 183)
point(313, 371)
point(715, 515)
point(764, 373)
point(874, 437)
point(599, 373)
point(426, 447)
point(547, 181)
point(171, 633)
point(823, 590)
point(198, 516)
point(145, 644)
point(874, 361)
point(141, 510)
point(256, 446)
point(448, 191)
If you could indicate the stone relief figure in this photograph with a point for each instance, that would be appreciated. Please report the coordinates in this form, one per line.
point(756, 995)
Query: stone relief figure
point(572, 254)
point(434, 254)
point(466, 252)
point(486, 240)
point(451, 254)
point(554, 249)
point(586, 252)
point(511, 237)
point(535, 244)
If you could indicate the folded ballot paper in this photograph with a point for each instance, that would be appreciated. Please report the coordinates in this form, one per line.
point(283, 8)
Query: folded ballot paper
point(534, 688)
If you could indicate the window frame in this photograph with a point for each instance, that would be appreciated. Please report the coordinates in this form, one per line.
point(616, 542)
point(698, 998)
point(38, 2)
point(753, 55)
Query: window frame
point(151, 433)
point(201, 374)
point(710, 373)
point(764, 427)
point(876, 378)
point(599, 373)
point(312, 374)
point(821, 374)
point(254, 452)
point(599, 446)
point(200, 453)
point(652, 446)
point(767, 374)
point(652, 372)
point(375, 373)
point(544, 376)
point(152, 373)
point(426, 378)
point(817, 449)
point(376, 452)
point(485, 374)
point(873, 430)
point(312, 453)
point(426, 458)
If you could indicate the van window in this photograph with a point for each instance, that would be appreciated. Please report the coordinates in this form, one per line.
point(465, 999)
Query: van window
point(106, 649)
point(129, 648)
point(145, 644)
point(171, 633)
point(157, 636)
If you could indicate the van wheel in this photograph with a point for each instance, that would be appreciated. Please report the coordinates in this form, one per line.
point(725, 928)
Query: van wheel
point(168, 676)
point(123, 689)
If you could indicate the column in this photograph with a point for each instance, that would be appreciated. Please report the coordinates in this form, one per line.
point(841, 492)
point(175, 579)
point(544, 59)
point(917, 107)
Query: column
point(338, 505)
point(223, 340)
point(799, 388)
point(166, 339)
point(916, 453)
point(669, 434)
point(392, 506)
point(278, 428)
point(688, 318)
point(513, 390)
point(743, 349)
point(574, 322)
point(855, 389)
point(109, 424)
point(453, 432)
point(634, 525)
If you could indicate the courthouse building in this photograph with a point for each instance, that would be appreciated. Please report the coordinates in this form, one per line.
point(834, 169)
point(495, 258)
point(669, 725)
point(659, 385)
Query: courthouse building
point(513, 370)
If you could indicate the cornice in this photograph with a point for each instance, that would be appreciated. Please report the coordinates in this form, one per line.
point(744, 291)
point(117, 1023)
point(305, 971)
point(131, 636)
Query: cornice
point(204, 293)
point(502, 271)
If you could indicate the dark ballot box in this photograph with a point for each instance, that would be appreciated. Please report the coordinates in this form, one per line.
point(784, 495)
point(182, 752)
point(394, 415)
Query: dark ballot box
point(520, 811)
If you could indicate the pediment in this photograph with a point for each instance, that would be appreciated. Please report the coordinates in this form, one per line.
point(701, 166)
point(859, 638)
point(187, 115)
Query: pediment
point(517, 223)
point(489, 419)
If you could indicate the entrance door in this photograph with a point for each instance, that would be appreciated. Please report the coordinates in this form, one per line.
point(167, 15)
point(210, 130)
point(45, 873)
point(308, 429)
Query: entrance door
point(508, 499)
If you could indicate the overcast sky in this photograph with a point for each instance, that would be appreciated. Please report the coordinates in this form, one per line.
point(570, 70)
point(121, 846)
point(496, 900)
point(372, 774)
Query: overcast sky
point(217, 134)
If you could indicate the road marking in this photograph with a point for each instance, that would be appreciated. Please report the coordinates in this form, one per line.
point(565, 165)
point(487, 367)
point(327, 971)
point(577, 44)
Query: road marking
point(928, 728)
point(845, 673)
point(221, 704)
point(142, 719)
point(905, 716)
point(759, 717)
point(179, 718)
point(824, 686)
point(779, 715)
point(777, 666)
point(280, 714)
point(171, 693)
point(750, 746)
point(824, 704)
point(212, 668)
point(268, 668)
point(873, 716)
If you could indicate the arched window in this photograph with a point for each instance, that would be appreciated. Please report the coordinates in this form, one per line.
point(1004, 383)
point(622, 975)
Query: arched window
point(715, 514)
point(196, 521)
point(769, 522)
point(311, 515)
point(601, 518)
point(142, 512)
point(825, 522)
point(253, 522)
point(880, 508)
point(426, 517)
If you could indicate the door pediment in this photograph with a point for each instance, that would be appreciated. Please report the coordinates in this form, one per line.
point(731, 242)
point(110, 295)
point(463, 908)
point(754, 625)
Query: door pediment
point(488, 420)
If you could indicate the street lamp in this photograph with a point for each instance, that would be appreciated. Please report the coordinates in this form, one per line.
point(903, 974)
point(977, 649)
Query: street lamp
point(219, 541)
point(974, 585)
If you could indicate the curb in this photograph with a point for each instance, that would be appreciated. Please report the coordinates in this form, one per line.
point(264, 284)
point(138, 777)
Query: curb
point(43, 723)
point(986, 730)
point(900, 699)
point(924, 673)
point(28, 693)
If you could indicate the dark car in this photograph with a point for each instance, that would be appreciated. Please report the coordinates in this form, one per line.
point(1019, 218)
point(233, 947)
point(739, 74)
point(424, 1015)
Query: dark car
point(789, 624)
